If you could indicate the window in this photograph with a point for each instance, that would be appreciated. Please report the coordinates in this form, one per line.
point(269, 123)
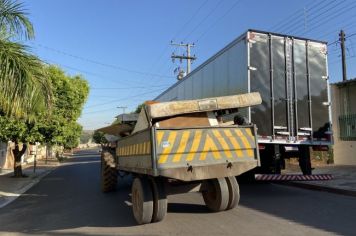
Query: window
point(347, 127)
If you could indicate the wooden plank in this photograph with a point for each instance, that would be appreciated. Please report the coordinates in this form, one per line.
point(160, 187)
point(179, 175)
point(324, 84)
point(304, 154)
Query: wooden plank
point(166, 109)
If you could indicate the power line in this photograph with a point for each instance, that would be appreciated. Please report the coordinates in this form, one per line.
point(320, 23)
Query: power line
point(333, 14)
point(182, 28)
point(123, 99)
point(294, 29)
point(133, 87)
point(102, 77)
point(203, 20)
point(177, 33)
point(101, 63)
point(218, 20)
point(291, 19)
point(336, 41)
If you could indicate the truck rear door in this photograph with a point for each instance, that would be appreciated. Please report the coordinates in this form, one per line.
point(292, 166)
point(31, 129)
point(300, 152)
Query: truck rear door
point(291, 75)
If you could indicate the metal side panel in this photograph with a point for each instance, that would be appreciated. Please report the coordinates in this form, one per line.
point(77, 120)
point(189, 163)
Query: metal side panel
point(181, 153)
point(135, 153)
point(318, 89)
point(301, 85)
point(261, 115)
point(279, 84)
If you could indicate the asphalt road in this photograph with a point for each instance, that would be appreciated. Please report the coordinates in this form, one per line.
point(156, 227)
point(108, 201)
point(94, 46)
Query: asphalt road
point(68, 201)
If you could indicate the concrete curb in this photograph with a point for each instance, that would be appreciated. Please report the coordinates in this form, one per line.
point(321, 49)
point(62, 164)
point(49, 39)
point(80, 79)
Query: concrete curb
point(320, 188)
point(8, 199)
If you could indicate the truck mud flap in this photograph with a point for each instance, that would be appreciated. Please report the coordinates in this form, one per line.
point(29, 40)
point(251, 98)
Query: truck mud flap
point(294, 177)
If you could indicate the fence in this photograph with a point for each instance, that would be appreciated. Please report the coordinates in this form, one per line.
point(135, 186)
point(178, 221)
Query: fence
point(347, 127)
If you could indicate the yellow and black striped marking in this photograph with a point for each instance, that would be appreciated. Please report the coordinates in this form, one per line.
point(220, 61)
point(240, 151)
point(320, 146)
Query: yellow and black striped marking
point(143, 148)
point(204, 145)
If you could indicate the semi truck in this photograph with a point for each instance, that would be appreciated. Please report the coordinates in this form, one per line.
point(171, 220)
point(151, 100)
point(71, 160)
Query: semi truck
point(290, 73)
point(178, 147)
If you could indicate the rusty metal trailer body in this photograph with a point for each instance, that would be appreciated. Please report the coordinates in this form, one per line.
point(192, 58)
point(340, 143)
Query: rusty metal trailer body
point(179, 147)
point(189, 154)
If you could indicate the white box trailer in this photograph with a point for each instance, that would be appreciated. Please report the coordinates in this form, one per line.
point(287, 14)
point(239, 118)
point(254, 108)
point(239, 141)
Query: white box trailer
point(289, 72)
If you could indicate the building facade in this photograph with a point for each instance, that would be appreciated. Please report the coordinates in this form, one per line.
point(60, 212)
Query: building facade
point(344, 121)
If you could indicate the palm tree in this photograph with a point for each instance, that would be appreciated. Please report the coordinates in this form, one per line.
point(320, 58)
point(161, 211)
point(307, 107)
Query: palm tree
point(25, 91)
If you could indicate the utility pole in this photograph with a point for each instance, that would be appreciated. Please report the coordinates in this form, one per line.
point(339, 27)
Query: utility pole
point(187, 57)
point(123, 109)
point(343, 54)
point(123, 112)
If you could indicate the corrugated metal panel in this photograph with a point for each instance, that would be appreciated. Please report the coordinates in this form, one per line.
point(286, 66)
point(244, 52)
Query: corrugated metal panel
point(283, 82)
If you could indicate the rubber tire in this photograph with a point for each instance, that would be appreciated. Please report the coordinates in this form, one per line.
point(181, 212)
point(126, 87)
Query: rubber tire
point(109, 172)
point(304, 160)
point(142, 200)
point(160, 203)
point(234, 192)
point(216, 197)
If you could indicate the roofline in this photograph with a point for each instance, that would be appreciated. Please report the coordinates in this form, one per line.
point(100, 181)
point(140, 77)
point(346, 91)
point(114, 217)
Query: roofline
point(351, 81)
point(287, 35)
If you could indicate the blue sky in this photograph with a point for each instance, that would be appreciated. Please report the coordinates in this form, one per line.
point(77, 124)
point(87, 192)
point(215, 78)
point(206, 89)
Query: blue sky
point(122, 47)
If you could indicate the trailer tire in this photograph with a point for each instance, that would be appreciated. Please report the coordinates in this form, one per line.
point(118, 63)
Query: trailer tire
point(142, 200)
point(108, 171)
point(216, 196)
point(234, 192)
point(160, 202)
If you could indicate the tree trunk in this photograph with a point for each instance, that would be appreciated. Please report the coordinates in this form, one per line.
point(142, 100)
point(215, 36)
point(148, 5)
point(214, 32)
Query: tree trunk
point(17, 156)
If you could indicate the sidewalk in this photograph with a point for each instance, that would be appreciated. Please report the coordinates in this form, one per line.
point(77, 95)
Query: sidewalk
point(11, 188)
point(343, 182)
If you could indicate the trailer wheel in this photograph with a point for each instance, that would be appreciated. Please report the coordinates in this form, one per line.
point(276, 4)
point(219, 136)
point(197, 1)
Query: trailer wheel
point(108, 171)
point(142, 200)
point(159, 200)
point(234, 192)
point(216, 196)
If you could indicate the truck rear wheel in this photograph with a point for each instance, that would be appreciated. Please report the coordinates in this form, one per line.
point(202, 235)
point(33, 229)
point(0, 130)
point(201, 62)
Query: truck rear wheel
point(304, 160)
point(159, 200)
point(234, 192)
point(216, 195)
point(108, 171)
point(142, 200)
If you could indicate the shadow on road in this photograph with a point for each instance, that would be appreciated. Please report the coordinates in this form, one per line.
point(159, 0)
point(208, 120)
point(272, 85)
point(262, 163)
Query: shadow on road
point(70, 198)
point(187, 208)
point(73, 199)
point(309, 208)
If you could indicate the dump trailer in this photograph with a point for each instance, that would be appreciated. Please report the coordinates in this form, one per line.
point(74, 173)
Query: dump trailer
point(178, 147)
point(290, 73)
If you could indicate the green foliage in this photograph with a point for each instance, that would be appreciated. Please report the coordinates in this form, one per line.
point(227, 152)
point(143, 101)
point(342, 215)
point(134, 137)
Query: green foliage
point(69, 95)
point(12, 129)
point(99, 138)
point(14, 20)
point(25, 89)
point(139, 108)
point(37, 102)
point(85, 136)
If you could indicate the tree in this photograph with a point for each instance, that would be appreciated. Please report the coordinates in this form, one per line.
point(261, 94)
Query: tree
point(18, 131)
point(85, 136)
point(13, 19)
point(69, 95)
point(99, 137)
point(25, 91)
point(139, 108)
